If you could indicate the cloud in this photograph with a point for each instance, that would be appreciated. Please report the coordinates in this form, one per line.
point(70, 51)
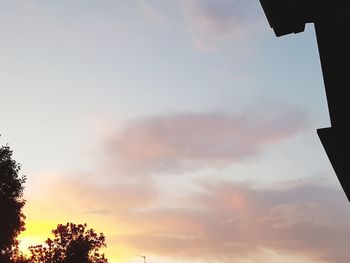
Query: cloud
point(229, 221)
point(212, 21)
point(224, 221)
point(152, 14)
point(88, 195)
point(99, 212)
point(181, 142)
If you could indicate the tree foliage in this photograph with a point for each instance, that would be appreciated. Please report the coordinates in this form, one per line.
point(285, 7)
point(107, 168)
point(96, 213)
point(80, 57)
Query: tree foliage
point(71, 244)
point(11, 204)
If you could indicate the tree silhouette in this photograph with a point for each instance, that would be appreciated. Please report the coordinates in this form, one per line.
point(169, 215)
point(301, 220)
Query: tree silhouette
point(11, 204)
point(71, 244)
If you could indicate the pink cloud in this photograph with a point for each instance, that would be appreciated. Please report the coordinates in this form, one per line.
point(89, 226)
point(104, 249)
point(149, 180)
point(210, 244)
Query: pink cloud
point(224, 221)
point(229, 221)
point(152, 14)
point(180, 142)
point(212, 21)
point(94, 193)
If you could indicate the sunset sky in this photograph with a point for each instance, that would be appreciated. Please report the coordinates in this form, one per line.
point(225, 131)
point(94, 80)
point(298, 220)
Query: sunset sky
point(184, 130)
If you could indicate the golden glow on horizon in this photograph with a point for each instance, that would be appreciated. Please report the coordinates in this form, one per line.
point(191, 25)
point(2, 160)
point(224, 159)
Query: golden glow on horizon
point(35, 234)
point(126, 233)
point(119, 253)
point(38, 231)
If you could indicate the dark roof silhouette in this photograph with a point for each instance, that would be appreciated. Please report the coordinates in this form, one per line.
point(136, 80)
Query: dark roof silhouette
point(331, 20)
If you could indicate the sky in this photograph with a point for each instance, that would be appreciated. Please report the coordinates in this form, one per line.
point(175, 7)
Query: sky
point(183, 130)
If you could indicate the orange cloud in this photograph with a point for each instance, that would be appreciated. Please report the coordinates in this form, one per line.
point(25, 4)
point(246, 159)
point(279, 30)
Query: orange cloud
point(224, 221)
point(102, 204)
point(229, 221)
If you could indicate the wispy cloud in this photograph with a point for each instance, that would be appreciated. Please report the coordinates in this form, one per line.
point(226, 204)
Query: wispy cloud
point(90, 194)
point(152, 14)
point(224, 221)
point(231, 221)
point(212, 21)
point(182, 142)
point(99, 212)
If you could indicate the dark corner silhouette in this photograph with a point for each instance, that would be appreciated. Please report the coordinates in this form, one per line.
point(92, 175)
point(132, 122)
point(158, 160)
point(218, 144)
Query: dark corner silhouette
point(331, 20)
point(11, 204)
point(72, 243)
